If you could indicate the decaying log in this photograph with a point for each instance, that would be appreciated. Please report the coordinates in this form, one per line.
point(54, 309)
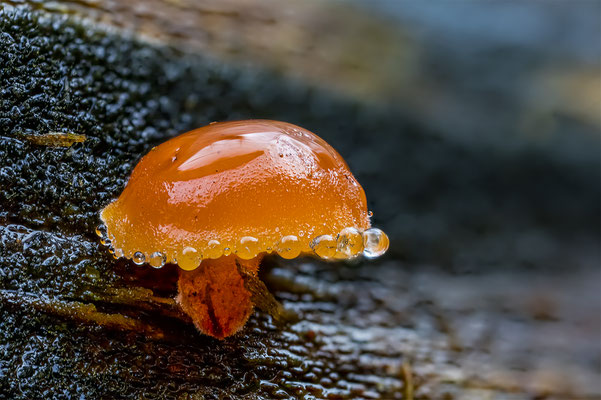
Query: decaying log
point(486, 291)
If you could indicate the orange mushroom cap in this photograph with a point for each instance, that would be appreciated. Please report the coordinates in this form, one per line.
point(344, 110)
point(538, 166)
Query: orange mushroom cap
point(243, 188)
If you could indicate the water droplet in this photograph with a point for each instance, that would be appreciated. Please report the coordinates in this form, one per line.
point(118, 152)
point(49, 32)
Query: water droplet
point(324, 246)
point(227, 251)
point(157, 259)
point(349, 243)
point(189, 259)
point(213, 249)
point(376, 243)
point(118, 253)
point(101, 231)
point(289, 247)
point(248, 248)
point(103, 234)
point(111, 250)
point(370, 214)
point(139, 258)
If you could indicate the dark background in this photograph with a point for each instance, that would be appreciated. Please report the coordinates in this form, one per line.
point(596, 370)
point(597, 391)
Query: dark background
point(474, 129)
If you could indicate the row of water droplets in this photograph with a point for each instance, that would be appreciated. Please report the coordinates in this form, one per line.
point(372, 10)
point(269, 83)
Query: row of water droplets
point(156, 259)
point(349, 243)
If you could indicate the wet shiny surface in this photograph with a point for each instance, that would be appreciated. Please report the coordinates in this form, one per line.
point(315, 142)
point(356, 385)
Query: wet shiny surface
point(254, 186)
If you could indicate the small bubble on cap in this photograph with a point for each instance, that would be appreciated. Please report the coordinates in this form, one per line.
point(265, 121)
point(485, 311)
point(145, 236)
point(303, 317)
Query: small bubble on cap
point(102, 232)
point(157, 259)
point(139, 258)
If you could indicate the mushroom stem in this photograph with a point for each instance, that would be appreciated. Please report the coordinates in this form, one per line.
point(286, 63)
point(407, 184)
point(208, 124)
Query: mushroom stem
point(215, 297)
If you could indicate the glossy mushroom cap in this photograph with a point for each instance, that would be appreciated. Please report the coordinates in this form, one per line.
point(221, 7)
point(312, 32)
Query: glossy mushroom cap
point(243, 188)
point(229, 193)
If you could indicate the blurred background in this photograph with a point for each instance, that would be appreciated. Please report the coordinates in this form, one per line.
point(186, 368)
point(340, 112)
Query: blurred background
point(474, 127)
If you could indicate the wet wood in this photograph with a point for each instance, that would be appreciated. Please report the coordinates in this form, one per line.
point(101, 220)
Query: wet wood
point(328, 43)
point(465, 305)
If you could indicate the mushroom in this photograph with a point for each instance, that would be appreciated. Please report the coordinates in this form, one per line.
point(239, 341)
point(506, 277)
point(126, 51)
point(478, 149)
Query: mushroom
point(217, 199)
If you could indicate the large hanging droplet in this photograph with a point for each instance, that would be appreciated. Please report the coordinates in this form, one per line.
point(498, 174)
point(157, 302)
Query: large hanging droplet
point(248, 248)
point(324, 246)
point(376, 243)
point(213, 250)
point(189, 259)
point(349, 243)
point(289, 247)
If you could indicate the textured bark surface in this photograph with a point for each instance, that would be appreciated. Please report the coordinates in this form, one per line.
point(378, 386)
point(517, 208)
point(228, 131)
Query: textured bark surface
point(350, 51)
point(490, 289)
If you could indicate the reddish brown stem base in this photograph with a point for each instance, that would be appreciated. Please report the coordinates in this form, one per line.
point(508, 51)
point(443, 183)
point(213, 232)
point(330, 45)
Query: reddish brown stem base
point(215, 296)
